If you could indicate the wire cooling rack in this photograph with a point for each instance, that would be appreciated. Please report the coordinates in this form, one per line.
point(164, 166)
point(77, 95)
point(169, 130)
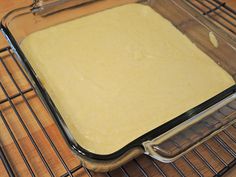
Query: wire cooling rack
point(219, 11)
point(31, 145)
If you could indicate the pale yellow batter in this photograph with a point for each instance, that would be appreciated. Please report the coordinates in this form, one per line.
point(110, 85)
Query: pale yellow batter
point(120, 73)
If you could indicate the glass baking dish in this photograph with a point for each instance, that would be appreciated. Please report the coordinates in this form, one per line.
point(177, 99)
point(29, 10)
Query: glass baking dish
point(169, 141)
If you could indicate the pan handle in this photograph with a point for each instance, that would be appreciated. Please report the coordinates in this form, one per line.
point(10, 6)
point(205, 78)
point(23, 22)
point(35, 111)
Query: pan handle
point(180, 140)
point(46, 7)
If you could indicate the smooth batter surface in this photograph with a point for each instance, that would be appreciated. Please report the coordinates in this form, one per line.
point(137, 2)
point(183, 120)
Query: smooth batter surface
point(120, 73)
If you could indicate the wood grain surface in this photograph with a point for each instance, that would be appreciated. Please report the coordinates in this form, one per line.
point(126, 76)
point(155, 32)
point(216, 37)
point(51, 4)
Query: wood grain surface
point(32, 155)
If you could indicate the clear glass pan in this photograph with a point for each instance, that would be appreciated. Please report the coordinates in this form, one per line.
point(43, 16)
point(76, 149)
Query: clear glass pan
point(183, 132)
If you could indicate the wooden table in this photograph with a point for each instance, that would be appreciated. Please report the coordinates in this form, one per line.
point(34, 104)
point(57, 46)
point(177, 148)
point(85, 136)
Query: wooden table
point(5, 6)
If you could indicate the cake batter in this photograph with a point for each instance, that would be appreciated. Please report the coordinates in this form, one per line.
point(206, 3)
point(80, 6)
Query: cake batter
point(117, 74)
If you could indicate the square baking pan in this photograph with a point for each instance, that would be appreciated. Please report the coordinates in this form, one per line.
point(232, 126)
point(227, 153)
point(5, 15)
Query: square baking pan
point(168, 141)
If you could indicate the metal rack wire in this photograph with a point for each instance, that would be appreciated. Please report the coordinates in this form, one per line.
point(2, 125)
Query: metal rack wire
point(218, 11)
point(212, 158)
